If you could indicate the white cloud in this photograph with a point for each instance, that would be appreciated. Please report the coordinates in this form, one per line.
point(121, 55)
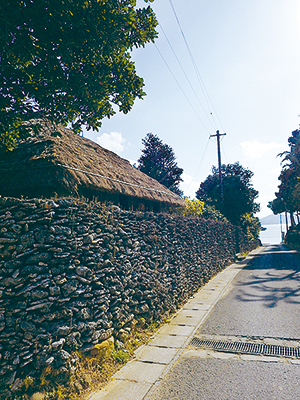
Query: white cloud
point(113, 141)
point(256, 149)
point(189, 186)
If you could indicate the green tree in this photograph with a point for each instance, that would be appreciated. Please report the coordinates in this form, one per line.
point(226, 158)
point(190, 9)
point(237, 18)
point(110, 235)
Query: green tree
point(251, 226)
point(277, 205)
point(158, 161)
point(239, 195)
point(291, 157)
point(68, 61)
point(287, 199)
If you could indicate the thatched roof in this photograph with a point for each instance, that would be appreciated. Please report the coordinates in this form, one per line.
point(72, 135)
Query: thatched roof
point(46, 165)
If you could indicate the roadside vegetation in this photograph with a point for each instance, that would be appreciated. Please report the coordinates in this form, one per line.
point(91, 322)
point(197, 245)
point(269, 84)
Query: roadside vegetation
point(91, 371)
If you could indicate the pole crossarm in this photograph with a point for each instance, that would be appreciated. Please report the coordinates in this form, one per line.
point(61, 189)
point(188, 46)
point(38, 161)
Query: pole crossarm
point(218, 134)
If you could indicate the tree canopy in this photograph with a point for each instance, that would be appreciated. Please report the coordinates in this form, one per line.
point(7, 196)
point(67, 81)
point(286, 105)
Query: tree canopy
point(239, 195)
point(68, 61)
point(158, 161)
point(287, 199)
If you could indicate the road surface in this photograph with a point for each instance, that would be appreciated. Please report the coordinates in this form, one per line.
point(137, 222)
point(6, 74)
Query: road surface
point(261, 305)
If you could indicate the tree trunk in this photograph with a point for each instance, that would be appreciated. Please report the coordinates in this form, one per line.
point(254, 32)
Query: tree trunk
point(286, 223)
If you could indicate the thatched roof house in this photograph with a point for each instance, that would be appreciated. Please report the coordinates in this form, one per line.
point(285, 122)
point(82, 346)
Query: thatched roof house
point(71, 165)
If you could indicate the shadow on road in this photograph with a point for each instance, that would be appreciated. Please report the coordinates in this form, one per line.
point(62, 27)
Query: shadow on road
point(273, 276)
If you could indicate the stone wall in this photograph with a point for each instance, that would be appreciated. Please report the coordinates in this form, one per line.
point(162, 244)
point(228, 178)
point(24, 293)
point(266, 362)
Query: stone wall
point(72, 274)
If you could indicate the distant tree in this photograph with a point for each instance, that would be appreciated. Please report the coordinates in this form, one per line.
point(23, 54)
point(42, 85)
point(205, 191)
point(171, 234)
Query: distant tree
point(68, 61)
point(277, 205)
point(287, 199)
point(158, 161)
point(291, 157)
point(239, 195)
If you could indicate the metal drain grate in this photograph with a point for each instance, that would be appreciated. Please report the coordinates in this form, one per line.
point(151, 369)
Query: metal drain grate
point(247, 348)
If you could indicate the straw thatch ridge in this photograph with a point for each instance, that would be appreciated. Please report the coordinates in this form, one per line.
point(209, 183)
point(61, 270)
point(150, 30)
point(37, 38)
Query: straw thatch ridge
point(71, 165)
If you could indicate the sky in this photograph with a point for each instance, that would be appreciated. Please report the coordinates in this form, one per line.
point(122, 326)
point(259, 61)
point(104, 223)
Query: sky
point(238, 72)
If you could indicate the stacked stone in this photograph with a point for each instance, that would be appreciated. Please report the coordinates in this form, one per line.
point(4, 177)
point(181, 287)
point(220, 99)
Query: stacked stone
point(73, 274)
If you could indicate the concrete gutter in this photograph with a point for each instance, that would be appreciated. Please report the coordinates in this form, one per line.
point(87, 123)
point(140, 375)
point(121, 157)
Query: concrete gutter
point(138, 379)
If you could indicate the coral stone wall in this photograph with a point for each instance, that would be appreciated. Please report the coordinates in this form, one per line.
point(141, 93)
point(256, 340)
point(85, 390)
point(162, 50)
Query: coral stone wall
point(72, 274)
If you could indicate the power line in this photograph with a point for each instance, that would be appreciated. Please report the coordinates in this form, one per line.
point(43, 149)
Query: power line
point(185, 74)
point(223, 150)
point(202, 159)
point(201, 82)
point(190, 54)
point(181, 88)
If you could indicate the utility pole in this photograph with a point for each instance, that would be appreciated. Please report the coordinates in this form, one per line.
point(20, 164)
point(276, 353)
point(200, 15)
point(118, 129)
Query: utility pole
point(218, 134)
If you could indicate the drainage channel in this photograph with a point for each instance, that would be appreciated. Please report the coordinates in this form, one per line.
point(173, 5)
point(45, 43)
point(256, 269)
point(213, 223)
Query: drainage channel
point(246, 348)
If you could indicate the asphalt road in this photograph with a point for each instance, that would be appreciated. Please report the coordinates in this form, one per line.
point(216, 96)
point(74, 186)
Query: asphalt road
point(263, 301)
